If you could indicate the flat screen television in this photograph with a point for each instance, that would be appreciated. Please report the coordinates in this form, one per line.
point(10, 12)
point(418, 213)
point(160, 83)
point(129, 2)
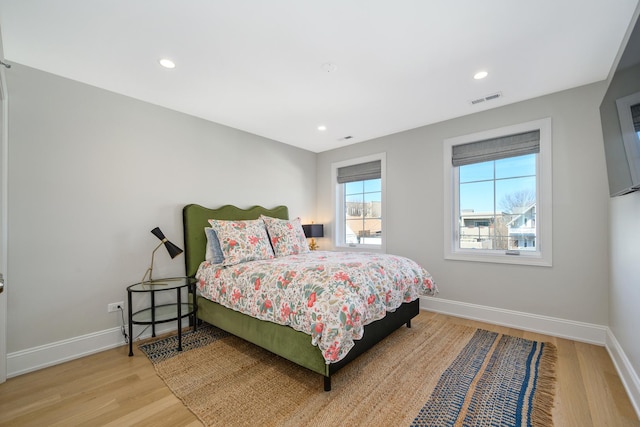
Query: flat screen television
point(620, 116)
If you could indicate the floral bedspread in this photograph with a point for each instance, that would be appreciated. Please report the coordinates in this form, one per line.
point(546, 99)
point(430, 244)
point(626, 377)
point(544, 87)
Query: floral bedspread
point(328, 295)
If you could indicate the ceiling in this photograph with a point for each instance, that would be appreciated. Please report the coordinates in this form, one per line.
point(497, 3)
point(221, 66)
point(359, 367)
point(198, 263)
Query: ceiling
point(281, 68)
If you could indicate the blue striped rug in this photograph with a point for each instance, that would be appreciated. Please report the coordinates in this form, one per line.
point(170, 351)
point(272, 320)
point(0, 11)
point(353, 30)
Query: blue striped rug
point(497, 380)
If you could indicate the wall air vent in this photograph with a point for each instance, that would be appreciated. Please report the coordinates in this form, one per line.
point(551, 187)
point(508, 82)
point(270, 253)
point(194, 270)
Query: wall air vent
point(486, 98)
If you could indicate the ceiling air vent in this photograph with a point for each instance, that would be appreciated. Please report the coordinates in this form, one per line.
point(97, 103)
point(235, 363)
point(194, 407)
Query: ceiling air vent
point(486, 98)
point(345, 138)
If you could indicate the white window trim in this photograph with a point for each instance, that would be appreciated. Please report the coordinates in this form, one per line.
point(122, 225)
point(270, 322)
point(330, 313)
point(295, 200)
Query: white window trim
point(338, 200)
point(543, 256)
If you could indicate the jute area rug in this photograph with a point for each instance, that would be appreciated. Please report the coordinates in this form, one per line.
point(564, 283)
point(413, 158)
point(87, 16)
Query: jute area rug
point(433, 374)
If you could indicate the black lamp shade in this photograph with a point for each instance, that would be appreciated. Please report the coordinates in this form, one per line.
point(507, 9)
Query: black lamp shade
point(173, 250)
point(313, 230)
point(159, 234)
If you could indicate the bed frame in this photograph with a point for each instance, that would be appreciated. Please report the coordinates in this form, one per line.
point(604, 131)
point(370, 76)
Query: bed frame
point(279, 339)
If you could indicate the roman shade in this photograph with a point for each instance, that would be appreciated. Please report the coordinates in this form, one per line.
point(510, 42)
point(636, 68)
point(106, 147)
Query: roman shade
point(360, 172)
point(496, 148)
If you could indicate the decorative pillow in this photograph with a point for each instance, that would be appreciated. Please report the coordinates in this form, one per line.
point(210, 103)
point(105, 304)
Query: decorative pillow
point(214, 252)
point(242, 241)
point(287, 236)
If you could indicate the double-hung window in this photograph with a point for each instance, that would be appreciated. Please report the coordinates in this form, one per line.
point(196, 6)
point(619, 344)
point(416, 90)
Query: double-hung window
point(498, 195)
point(359, 202)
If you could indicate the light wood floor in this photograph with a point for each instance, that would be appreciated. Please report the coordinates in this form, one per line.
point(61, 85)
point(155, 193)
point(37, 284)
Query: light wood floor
point(110, 388)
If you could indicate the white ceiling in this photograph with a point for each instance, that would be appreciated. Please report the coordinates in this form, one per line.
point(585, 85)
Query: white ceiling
point(257, 65)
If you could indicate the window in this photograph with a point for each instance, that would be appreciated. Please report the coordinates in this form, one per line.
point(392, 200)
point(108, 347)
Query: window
point(359, 202)
point(498, 195)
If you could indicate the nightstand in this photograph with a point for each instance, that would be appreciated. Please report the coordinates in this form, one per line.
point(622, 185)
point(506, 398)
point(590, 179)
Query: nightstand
point(163, 313)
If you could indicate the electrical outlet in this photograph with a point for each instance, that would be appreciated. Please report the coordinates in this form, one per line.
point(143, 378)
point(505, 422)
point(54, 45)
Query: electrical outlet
point(115, 306)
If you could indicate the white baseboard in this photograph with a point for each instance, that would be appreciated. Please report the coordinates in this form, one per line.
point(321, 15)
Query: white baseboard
point(570, 329)
point(33, 359)
point(626, 372)
point(577, 331)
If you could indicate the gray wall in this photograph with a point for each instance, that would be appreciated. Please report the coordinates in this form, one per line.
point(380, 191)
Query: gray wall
point(575, 288)
point(92, 172)
point(624, 294)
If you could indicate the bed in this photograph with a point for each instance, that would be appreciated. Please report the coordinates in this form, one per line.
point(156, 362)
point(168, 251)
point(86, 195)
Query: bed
point(291, 341)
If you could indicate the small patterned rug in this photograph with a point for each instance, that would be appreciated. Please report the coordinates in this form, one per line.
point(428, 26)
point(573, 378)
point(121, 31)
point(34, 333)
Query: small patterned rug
point(158, 350)
point(466, 376)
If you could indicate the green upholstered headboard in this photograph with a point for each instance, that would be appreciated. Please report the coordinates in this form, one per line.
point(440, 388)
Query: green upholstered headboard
point(195, 218)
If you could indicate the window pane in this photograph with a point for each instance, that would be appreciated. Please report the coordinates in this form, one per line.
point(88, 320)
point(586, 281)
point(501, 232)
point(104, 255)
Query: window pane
point(372, 197)
point(372, 232)
point(476, 172)
point(477, 217)
point(515, 194)
point(372, 205)
point(516, 166)
point(517, 200)
point(364, 231)
point(353, 229)
point(477, 196)
point(353, 187)
point(372, 185)
point(354, 198)
point(353, 206)
point(498, 213)
point(363, 203)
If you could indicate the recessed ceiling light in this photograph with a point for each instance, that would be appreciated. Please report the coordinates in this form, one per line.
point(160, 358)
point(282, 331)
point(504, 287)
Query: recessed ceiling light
point(167, 63)
point(480, 75)
point(322, 128)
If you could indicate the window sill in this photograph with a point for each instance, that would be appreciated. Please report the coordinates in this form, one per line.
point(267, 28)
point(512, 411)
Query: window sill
point(360, 248)
point(522, 259)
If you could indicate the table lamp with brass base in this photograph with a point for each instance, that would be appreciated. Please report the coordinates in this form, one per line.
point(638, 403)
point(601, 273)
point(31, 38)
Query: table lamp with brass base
point(173, 250)
point(312, 231)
